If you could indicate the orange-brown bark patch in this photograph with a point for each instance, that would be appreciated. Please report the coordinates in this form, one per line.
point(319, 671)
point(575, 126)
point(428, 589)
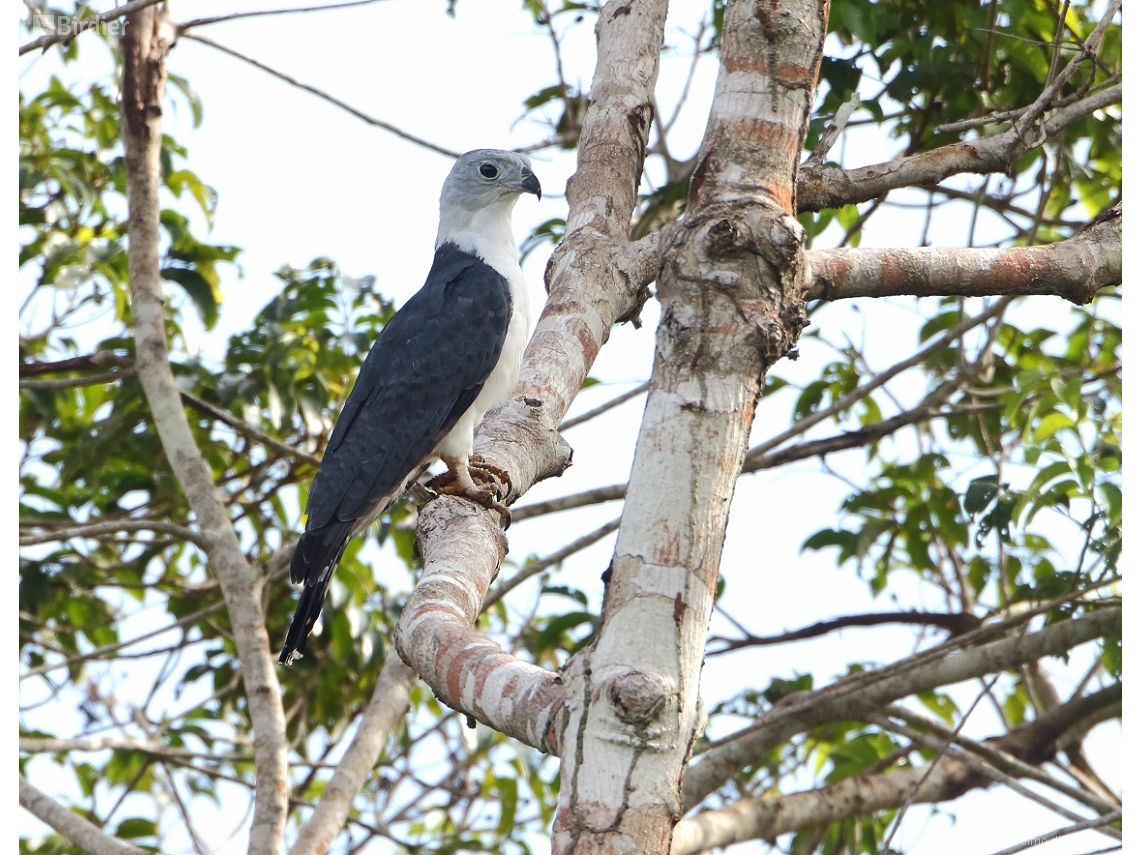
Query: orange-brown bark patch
point(780, 194)
point(793, 72)
point(745, 63)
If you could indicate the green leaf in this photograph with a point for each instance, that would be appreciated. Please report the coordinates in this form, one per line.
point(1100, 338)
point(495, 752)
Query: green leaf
point(135, 827)
point(941, 704)
point(207, 297)
point(979, 494)
point(1050, 425)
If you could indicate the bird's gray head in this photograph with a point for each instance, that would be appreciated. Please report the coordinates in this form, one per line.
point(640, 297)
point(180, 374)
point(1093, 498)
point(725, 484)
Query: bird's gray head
point(486, 176)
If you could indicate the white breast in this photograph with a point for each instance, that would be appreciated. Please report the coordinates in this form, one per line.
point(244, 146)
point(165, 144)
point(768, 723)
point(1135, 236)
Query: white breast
point(488, 235)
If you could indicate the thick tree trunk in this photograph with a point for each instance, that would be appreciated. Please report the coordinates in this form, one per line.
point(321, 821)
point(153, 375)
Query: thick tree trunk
point(149, 35)
point(731, 305)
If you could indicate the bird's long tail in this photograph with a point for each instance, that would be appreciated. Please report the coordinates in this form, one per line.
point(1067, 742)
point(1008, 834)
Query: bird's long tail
point(314, 562)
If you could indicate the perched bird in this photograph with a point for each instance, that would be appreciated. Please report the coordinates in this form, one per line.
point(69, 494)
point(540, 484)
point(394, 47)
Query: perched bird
point(452, 352)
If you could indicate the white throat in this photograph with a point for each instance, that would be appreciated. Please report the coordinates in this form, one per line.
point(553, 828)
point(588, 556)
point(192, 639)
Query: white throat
point(486, 232)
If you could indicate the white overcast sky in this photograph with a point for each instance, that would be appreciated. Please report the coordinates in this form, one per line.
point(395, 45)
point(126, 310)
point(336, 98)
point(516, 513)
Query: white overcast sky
point(299, 178)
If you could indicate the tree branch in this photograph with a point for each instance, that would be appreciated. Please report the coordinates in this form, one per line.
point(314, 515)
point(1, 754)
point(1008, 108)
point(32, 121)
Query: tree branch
point(389, 705)
point(73, 382)
point(980, 768)
point(881, 379)
point(220, 19)
point(1074, 269)
point(604, 408)
point(246, 429)
point(596, 496)
point(1026, 747)
point(862, 693)
point(86, 835)
point(135, 746)
point(466, 670)
point(823, 186)
point(106, 650)
point(95, 529)
point(98, 359)
point(595, 278)
point(557, 557)
point(324, 96)
point(955, 622)
point(1062, 832)
point(145, 44)
point(862, 795)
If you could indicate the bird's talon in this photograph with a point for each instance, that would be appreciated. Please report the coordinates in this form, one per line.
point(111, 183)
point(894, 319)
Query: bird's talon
point(496, 475)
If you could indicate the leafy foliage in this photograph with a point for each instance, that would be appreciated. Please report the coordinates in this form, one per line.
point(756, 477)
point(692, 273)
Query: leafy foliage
point(1008, 491)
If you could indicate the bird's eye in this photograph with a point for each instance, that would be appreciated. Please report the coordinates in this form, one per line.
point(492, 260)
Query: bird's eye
point(488, 170)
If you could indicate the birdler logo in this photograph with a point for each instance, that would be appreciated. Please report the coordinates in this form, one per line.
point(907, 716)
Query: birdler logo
point(71, 25)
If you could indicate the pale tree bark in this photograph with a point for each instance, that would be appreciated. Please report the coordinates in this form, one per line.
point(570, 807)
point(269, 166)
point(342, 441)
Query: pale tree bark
point(1074, 269)
point(595, 278)
point(149, 35)
point(86, 835)
point(731, 304)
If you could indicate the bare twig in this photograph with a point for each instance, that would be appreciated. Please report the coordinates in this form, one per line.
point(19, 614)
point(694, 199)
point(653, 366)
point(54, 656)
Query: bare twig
point(566, 503)
point(134, 746)
point(1062, 832)
point(942, 747)
point(604, 408)
point(954, 622)
point(535, 567)
point(101, 652)
point(1000, 759)
point(387, 708)
point(292, 81)
point(245, 428)
point(73, 382)
point(1109, 85)
point(834, 130)
point(95, 529)
point(219, 19)
point(856, 395)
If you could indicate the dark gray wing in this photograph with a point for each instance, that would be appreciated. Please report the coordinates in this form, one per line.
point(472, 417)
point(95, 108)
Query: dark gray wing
point(423, 372)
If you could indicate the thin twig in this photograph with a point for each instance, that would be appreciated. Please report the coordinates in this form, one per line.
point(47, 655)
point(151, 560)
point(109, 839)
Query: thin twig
point(95, 529)
point(857, 394)
point(1111, 85)
point(292, 81)
point(606, 407)
point(536, 567)
point(942, 749)
point(1001, 759)
point(954, 622)
point(1068, 829)
point(244, 427)
point(100, 652)
point(976, 764)
point(611, 493)
point(218, 19)
point(73, 382)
